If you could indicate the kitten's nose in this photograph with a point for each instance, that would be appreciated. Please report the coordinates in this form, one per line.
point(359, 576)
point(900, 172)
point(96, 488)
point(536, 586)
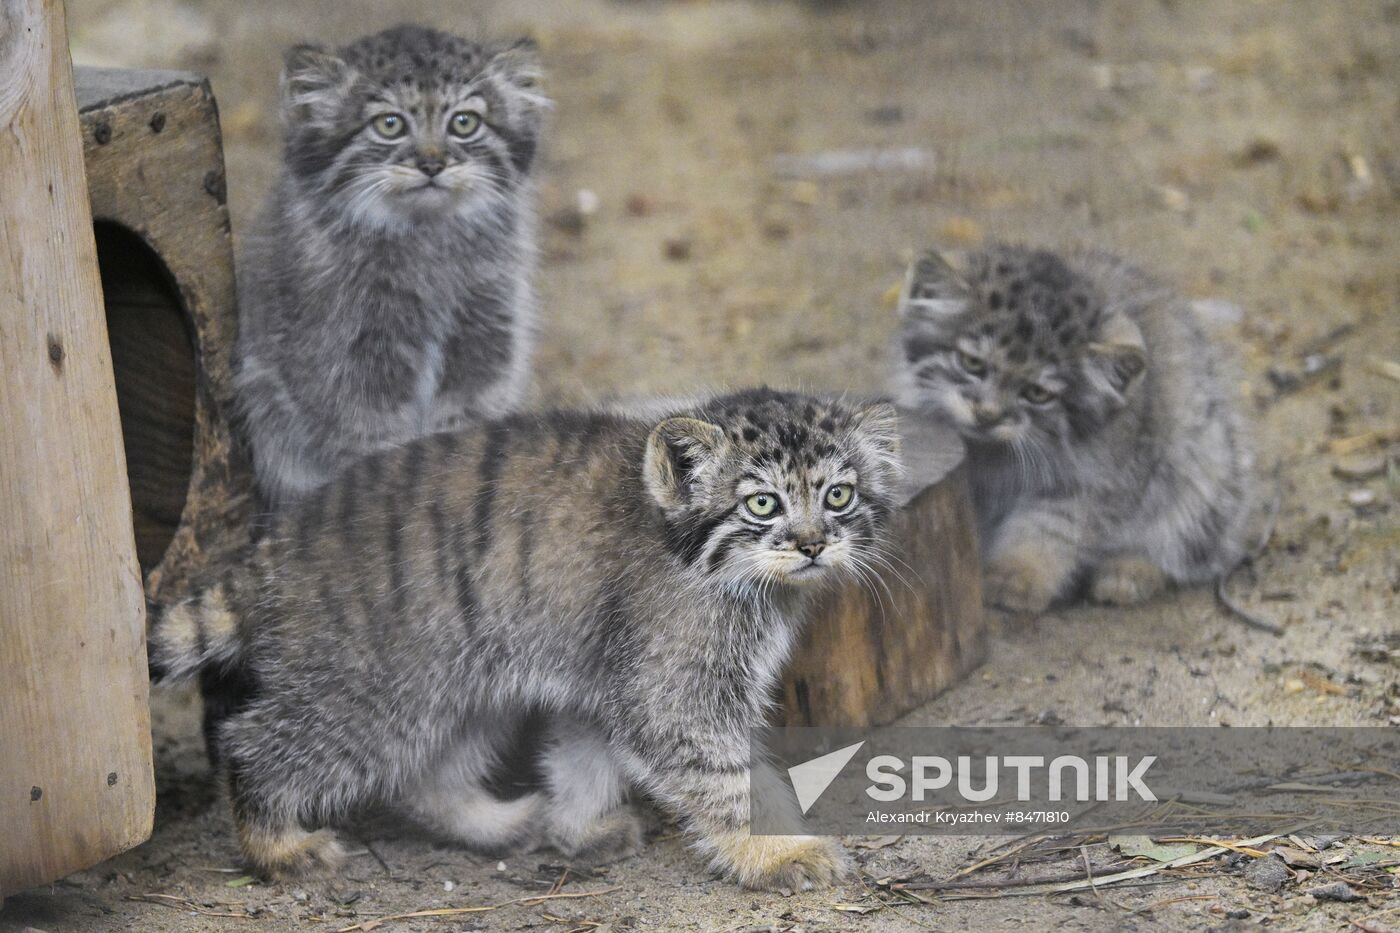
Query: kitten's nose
point(430, 167)
point(811, 545)
point(987, 415)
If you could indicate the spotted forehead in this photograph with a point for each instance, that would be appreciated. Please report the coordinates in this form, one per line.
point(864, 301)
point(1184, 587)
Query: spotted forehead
point(1032, 307)
point(417, 59)
point(794, 438)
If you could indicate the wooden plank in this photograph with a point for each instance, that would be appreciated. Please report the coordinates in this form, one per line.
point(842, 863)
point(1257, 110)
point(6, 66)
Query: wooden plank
point(875, 650)
point(155, 175)
point(76, 784)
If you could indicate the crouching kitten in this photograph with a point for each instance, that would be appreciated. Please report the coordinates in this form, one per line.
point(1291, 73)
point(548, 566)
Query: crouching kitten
point(1102, 436)
point(639, 580)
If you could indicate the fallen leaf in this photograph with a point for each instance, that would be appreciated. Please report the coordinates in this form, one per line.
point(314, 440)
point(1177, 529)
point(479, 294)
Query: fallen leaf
point(1296, 858)
point(1321, 684)
point(1367, 858)
point(857, 908)
point(1144, 846)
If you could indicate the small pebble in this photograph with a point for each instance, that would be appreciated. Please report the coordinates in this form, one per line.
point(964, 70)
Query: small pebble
point(1336, 891)
point(449, 885)
point(677, 249)
point(1267, 873)
point(500, 866)
point(1361, 498)
point(587, 201)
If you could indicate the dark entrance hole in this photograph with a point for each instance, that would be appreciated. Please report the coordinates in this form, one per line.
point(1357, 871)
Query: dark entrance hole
point(153, 358)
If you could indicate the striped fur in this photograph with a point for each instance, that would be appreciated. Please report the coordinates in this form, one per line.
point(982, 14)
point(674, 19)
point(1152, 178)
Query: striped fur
point(600, 569)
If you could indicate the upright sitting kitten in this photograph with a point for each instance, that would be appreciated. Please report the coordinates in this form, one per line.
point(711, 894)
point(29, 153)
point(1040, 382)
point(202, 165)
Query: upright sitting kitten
point(638, 580)
point(1101, 434)
point(385, 292)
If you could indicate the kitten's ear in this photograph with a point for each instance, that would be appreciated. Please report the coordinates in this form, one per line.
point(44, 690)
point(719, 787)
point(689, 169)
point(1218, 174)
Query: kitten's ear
point(313, 83)
point(516, 67)
point(519, 63)
point(877, 424)
point(678, 451)
point(1116, 359)
point(933, 289)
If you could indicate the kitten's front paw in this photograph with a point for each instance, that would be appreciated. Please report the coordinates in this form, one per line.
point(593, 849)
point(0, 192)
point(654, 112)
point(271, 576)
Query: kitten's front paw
point(1019, 584)
point(1123, 581)
point(780, 863)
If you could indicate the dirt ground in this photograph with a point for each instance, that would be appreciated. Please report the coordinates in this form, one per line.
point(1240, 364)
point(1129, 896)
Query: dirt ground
point(1244, 149)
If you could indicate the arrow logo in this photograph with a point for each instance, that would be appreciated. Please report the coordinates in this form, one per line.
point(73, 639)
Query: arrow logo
point(811, 778)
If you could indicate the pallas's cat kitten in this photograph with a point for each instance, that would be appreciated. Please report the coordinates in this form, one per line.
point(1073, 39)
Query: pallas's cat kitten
point(385, 291)
point(1103, 441)
point(638, 580)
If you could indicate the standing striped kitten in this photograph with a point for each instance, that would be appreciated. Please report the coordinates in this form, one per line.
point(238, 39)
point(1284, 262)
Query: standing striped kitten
point(1102, 438)
point(638, 580)
point(385, 292)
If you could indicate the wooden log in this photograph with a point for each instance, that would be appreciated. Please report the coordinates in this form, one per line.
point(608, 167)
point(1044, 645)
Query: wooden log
point(76, 784)
point(156, 181)
point(878, 649)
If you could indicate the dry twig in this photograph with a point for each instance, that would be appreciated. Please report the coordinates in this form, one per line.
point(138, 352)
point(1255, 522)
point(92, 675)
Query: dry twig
point(365, 926)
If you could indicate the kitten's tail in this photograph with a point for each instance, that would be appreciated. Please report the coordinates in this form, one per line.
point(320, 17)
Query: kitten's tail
point(192, 634)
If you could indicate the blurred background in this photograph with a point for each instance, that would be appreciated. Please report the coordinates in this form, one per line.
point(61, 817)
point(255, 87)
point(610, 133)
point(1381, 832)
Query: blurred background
point(729, 189)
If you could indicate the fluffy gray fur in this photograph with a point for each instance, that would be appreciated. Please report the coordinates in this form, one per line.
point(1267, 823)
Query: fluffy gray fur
point(1103, 439)
point(638, 580)
point(385, 290)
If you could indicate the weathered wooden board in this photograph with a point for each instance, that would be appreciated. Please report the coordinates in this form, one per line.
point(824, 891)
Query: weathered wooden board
point(75, 743)
point(875, 651)
point(156, 180)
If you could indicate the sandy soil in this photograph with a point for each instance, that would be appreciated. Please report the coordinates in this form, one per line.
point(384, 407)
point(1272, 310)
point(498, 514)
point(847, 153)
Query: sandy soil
point(1245, 150)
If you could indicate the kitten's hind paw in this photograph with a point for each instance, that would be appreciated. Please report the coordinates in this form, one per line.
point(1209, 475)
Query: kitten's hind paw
point(291, 852)
point(1018, 584)
point(1124, 581)
point(612, 838)
point(780, 863)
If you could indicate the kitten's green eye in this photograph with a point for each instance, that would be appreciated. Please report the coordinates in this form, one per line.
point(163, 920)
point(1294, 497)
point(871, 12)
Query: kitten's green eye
point(839, 496)
point(1037, 394)
point(390, 125)
point(761, 504)
point(464, 123)
point(971, 362)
